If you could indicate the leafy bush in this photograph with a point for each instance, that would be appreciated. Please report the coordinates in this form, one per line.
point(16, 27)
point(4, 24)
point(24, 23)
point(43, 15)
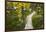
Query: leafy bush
point(38, 22)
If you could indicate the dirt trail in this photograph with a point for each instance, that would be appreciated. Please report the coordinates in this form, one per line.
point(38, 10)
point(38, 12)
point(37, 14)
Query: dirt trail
point(29, 21)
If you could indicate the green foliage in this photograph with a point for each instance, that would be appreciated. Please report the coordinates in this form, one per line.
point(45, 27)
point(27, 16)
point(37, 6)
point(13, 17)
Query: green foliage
point(37, 21)
point(38, 18)
point(16, 18)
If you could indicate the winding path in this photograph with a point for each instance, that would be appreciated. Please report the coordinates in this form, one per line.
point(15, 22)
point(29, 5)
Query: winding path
point(29, 21)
